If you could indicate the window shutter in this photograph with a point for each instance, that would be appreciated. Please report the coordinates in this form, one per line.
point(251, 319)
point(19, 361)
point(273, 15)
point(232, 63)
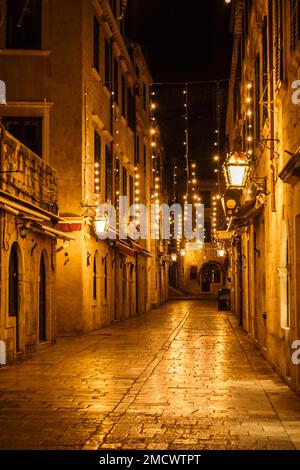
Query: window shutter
point(295, 20)
point(278, 42)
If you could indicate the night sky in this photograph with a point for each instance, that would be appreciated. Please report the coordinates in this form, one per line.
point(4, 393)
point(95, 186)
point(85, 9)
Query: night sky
point(185, 42)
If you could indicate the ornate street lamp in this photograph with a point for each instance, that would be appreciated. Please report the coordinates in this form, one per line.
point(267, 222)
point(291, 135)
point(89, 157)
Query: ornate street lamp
point(221, 253)
point(183, 253)
point(236, 170)
point(174, 257)
point(101, 225)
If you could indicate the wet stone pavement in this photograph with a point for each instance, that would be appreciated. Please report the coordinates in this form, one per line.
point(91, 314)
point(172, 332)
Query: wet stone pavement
point(181, 377)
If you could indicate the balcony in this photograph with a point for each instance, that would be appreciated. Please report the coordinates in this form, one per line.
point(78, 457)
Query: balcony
point(26, 176)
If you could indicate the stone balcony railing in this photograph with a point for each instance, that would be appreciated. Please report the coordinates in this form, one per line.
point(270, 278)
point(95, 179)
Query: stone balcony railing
point(25, 175)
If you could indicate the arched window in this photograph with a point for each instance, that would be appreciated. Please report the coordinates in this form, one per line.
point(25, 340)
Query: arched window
point(95, 291)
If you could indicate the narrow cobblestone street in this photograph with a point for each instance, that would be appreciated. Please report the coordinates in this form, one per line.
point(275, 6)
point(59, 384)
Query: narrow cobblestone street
point(180, 377)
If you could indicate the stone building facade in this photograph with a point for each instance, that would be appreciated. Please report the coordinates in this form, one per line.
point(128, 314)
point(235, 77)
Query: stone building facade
point(264, 121)
point(28, 213)
point(86, 94)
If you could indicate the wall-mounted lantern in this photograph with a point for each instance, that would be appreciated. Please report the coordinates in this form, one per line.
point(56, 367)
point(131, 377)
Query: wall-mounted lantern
point(221, 253)
point(23, 230)
point(101, 226)
point(236, 170)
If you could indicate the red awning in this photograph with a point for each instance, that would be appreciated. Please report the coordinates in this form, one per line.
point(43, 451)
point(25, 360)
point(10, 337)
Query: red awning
point(68, 228)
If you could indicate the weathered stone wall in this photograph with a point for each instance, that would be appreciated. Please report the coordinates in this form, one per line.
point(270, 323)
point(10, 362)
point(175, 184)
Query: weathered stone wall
point(270, 244)
point(29, 251)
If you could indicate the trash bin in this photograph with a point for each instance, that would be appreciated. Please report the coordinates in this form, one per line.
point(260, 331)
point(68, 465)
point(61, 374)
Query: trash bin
point(224, 300)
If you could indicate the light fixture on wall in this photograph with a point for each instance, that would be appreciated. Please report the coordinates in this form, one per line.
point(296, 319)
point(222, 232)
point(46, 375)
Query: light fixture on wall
point(101, 225)
point(236, 170)
point(23, 230)
point(221, 252)
point(183, 252)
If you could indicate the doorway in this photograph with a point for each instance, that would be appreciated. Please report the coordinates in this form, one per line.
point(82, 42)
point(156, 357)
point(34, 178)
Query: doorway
point(211, 273)
point(14, 291)
point(42, 302)
point(124, 290)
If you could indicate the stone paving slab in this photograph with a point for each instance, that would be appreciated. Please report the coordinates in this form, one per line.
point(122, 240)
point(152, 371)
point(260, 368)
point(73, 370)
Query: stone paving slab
point(181, 377)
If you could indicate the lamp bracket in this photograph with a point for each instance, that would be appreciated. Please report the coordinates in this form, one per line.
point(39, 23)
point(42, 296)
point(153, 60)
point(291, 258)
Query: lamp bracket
point(259, 185)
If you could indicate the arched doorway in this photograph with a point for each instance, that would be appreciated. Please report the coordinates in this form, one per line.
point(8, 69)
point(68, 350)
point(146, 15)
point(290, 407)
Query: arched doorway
point(124, 289)
point(211, 273)
point(284, 276)
point(14, 290)
point(42, 302)
point(95, 287)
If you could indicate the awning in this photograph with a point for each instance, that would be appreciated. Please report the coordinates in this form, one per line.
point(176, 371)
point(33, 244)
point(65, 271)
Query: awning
point(57, 233)
point(247, 213)
point(49, 231)
point(20, 210)
point(27, 207)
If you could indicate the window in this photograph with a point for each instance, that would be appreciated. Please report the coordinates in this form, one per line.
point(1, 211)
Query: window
point(96, 44)
point(131, 190)
point(108, 71)
point(278, 41)
point(137, 149)
point(95, 278)
point(207, 233)
point(123, 96)
point(97, 161)
point(113, 5)
point(131, 109)
point(28, 130)
point(145, 96)
point(237, 90)
point(23, 24)
point(295, 23)
point(145, 157)
point(124, 181)
point(243, 42)
point(257, 97)
point(117, 176)
point(206, 199)
point(265, 77)
point(108, 166)
point(244, 140)
point(116, 81)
